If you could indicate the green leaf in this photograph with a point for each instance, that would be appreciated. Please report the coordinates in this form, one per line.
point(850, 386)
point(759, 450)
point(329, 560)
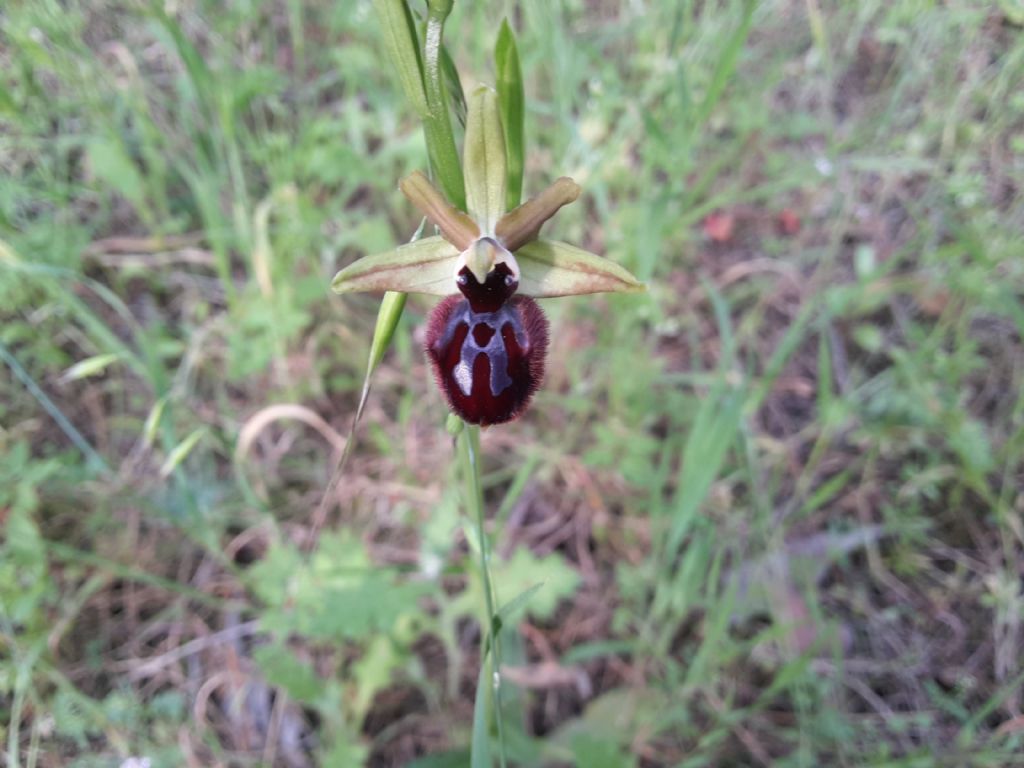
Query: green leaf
point(373, 673)
point(333, 595)
point(1013, 10)
point(512, 606)
point(424, 266)
point(608, 724)
point(388, 315)
point(714, 429)
point(153, 421)
point(373, 605)
point(437, 124)
point(520, 575)
point(345, 750)
point(25, 544)
point(481, 742)
point(403, 50)
point(112, 166)
point(91, 366)
point(485, 171)
point(282, 670)
point(511, 100)
point(181, 452)
point(452, 759)
point(454, 83)
point(550, 268)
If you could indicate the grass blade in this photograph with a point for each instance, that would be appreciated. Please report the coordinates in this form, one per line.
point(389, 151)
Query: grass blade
point(91, 456)
point(181, 451)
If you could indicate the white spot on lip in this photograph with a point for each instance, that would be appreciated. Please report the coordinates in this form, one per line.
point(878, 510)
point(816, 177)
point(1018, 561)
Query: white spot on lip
point(463, 377)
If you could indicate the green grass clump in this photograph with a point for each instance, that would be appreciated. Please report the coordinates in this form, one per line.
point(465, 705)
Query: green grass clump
point(775, 504)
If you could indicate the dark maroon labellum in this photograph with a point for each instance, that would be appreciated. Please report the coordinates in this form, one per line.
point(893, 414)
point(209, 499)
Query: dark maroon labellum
point(488, 348)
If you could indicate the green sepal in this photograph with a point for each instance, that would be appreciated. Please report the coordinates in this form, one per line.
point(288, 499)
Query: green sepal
point(484, 164)
point(550, 268)
point(424, 266)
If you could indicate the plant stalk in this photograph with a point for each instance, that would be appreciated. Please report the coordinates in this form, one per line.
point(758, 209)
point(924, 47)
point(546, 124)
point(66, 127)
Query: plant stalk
point(469, 455)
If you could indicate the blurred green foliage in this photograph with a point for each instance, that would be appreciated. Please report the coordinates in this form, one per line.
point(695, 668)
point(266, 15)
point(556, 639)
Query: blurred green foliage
point(775, 505)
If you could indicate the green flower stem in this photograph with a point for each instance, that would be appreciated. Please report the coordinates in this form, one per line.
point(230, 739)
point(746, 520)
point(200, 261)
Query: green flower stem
point(469, 443)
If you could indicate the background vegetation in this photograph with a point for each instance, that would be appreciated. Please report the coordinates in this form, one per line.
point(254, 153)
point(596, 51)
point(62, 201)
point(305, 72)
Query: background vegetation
point(776, 503)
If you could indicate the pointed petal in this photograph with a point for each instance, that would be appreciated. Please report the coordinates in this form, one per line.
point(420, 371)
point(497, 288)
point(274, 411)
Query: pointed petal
point(456, 226)
point(485, 164)
point(550, 268)
point(424, 266)
point(518, 227)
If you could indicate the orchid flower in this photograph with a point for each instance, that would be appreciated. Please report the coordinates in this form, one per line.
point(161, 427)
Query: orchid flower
point(487, 340)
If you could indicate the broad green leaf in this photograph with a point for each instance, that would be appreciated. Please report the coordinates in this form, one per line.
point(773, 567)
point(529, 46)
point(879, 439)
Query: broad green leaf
point(403, 50)
point(522, 225)
point(550, 268)
point(458, 228)
point(511, 99)
point(424, 266)
point(485, 163)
